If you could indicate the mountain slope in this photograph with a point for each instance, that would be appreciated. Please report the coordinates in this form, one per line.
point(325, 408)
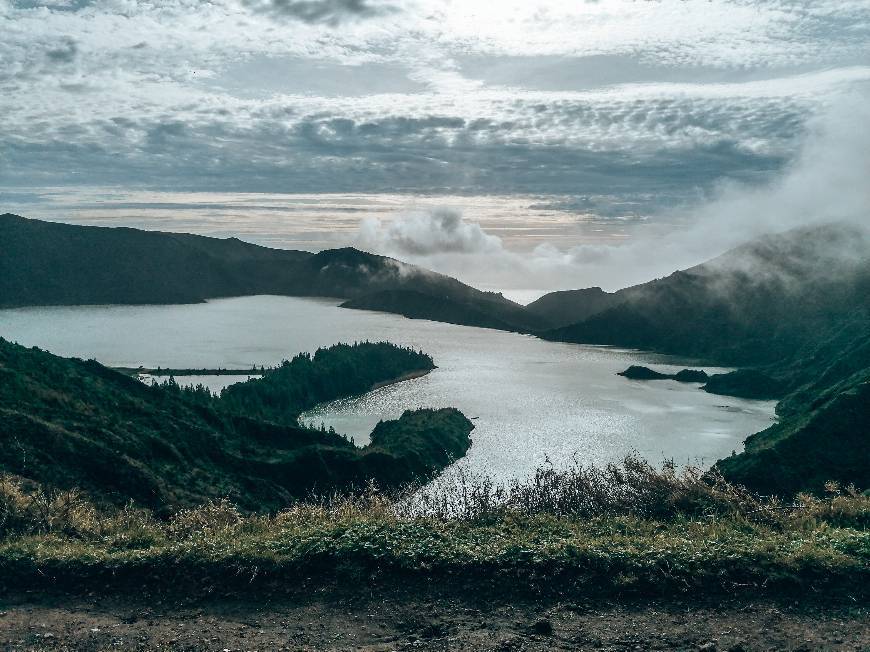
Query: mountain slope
point(567, 307)
point(70, 423)
point(48, 263)
point(416, 305)
point(828, 442)
point(755, 304)
point(794, 308)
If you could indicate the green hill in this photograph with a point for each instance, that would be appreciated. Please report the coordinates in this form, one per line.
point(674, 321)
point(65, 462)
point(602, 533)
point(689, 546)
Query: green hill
point(792, 309)
point(756, 304)
point(417, 305)
point(567, 307)
point(72, 423)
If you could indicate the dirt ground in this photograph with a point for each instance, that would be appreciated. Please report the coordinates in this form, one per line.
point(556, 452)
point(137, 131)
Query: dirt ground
point(428, 618)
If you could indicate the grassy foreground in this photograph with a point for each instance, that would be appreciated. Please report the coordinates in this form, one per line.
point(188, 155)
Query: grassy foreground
point(627, 528)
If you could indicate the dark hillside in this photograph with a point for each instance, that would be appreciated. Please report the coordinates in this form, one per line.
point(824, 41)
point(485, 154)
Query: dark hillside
point(70, 423)
point(49, 263)
point(416, 305)
point(756, 304)
point(567, 307)
point(824, 429)
point(46, 263)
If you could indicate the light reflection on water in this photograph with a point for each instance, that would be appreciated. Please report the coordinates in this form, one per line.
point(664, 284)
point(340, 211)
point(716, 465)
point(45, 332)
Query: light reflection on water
point(530, 399)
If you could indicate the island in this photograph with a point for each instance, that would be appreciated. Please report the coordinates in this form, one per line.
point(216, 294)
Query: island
point(636, 372)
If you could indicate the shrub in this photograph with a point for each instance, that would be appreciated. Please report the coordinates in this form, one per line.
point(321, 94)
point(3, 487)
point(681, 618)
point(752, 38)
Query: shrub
point(216, 516)
point(632, 488)
point(40, 511)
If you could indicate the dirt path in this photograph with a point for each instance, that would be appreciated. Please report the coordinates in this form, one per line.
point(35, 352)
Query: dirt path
point(415, 619)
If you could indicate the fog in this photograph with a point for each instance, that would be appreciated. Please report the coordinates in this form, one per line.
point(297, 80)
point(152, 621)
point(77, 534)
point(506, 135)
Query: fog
point(828, 180)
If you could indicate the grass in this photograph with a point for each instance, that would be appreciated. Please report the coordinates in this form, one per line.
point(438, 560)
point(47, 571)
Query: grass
point(625, 528)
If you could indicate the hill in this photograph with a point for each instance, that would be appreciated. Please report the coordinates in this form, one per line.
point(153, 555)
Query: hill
point(72, 423)
point(417, 305)
point(567, 307)
point(49, 263)
point(823, 433)
point(792, 309)
point(795, 309)
point(758, 303)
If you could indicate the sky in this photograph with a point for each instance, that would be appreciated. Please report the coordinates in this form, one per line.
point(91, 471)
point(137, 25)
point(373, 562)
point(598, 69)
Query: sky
point(472, 126)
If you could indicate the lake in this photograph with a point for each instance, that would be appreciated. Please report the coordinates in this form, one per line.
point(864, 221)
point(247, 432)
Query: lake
point(530, 400)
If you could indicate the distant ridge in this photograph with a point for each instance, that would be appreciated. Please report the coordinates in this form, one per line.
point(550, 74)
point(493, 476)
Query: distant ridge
point(754, 304)
point(51, 263)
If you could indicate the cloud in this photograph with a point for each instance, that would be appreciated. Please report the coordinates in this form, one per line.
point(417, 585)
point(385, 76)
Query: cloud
point(66, 52)
point(657, 107)
point(668, 147)
point(827, 182)
point(424, 233)
point(324, 12)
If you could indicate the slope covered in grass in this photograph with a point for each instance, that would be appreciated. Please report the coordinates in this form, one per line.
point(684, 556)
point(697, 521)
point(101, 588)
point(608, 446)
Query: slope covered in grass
point(794, 309)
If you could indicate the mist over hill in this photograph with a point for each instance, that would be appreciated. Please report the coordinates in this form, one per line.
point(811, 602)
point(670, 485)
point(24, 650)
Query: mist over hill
point(756, 303)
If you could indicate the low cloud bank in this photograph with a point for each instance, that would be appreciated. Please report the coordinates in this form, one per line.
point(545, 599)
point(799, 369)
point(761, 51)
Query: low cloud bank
point(827, 181)
point(436, 231)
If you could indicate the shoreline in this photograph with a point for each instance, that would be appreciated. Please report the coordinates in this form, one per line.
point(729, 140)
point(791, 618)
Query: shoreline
point(158, 371)
point(411, 375)
point(254, 371)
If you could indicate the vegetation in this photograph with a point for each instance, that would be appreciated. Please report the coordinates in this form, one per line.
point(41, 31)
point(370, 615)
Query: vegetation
point(746, 383)
point(626, 528)
point(755, 305)
point(68, 423)
point(492, 313)
point(828, 441)
point(567, 307)
point(792, 307)
point(294, 386)
point(636, 372)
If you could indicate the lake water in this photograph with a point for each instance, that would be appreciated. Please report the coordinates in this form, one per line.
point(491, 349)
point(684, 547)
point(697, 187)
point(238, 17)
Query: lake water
point(531, 400)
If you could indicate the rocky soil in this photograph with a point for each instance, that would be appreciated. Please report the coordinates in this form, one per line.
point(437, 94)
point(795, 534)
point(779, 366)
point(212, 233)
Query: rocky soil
point(427, 618)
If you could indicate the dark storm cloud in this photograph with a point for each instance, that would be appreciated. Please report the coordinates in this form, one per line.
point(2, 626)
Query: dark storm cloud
point(326, 12)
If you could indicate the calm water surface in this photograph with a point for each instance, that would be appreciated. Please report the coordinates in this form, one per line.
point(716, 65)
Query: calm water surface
point(531, 400)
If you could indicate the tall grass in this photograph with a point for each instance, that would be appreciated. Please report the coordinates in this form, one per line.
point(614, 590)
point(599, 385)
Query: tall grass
point(623, 527)
point(633, 488)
